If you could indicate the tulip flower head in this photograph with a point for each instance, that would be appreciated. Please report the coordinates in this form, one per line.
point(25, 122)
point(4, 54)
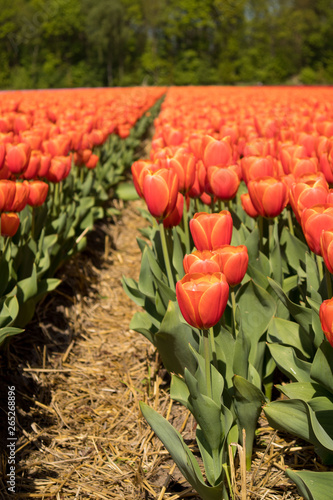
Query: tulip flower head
point(326, 319)
point(160, 190)
point(202, 298)
point(210, 231)
point(233, 262)
point(315, 220)
point(268, 195)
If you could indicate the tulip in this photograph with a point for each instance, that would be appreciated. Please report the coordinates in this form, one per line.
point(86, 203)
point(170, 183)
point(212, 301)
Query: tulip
point(9, 224)
point(309, 190)
point(254, 168)
point(202, 298)
point(268, 195)
point(216, 152)
point(326, 319)
point(160, 190)
point(210, 231)
point(59, 168)
point(33, 167)
point(174, 218)
point(223, 182)
point(37, 192)
point(7, 194)
point(314, 220)
point(17, 157)
point(139, 170)
point(201, 261)
point(248, 206)
point(21, 197)
point(233, 262)
point(92, 162)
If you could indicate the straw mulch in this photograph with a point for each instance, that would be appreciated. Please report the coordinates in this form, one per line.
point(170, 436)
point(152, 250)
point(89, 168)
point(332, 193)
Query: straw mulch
point(80, 372)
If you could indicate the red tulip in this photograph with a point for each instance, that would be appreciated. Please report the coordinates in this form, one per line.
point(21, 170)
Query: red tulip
point(254, 167)
point(248, 206)
point(9, 224)
point(202, 298)
point(92, 162)
point(17, 157)
point(59, 168)
point(21, 197)
point(210, 231)
point(326, 319)
point(37, 192)
point(139, 170)
point(7, 194)
point(174, 218)
point(160, 190)
point(201, 261)
point(268, 195)
point(233, 262)
point(309, 190)
point(215, 152)
point(223, 182)
point(314, 220)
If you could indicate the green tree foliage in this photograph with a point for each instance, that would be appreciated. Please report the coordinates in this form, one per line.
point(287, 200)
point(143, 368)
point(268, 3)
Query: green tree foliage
point(70, 43)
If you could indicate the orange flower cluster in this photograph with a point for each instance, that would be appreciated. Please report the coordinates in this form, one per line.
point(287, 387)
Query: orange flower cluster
point(43, 132)
point(203, 292)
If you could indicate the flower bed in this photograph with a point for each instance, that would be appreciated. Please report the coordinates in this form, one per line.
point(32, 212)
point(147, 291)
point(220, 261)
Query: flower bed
point(235, 277)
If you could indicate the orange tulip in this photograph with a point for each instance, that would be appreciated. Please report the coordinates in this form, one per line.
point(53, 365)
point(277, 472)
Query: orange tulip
point(9, 224)
point(21, 197)
point(326, 319)
point(7, 194)
point(223, 181)
point(201, 261)
point(248, 206)
point(202, 298)
point(210, 231)
point(37, 192)
point(174, 218)
point(314, 220)
point(268, 195)
point(233, 262)
point(309, 190)
point(160, 190)
point(17, 157)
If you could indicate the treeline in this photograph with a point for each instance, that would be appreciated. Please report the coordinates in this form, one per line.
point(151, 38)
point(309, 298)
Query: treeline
point(73, 43)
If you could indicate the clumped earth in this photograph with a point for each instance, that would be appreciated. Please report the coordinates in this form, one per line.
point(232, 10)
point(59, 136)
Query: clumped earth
point(80, 373)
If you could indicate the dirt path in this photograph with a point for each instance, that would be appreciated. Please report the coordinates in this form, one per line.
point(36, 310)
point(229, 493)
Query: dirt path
point(81, 434)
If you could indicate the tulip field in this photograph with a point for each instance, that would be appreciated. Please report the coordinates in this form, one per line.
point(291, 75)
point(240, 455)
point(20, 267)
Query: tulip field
point(234, 290)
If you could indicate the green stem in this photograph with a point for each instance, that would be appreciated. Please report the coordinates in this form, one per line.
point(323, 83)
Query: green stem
point(186, 228)
point(328, 283)
point(261, 233)
point(166, 257)
point(320, 267)
point(212, 346)
point(290, 221)
point(270, 234)
point(207, 363)
point(233, 302)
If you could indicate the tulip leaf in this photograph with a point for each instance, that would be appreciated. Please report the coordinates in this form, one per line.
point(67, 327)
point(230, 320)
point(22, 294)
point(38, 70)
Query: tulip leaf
point(301, 314)
point(178, 254)
point(257, 276)
point(179, 390)
point(281, 331)
point(248, 402)
point(173, 339)
point(9, 309)
point(275, 256)
point(252, 244)
point(287, 361)
point(312, 278)
point(322, 366)
point(289, 283)
point(294, 249)
point(7, 332)
point(181, 454)
point(256, 307)
point(225, 346)
point(241, 354)
point(142, 323)
point(146, 278)
point(299, 418)
point(217, 381)
point(303, 390)
point(312, 485)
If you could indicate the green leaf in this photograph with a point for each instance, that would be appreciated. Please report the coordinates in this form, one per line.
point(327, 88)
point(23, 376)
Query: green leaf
point(8, 332)
point(312, 485)
point(286, 332)
point(286, 359)
point(301, 314)
point(295, 249)
point(179, 390)
point(322, 366)
point(126, 191)
point(173, 339)
point(141, 322)
point(248, 403)
point(256, 307)
point(178, 254)
point(180, 453)
point(312, 278)
point(303, 390)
